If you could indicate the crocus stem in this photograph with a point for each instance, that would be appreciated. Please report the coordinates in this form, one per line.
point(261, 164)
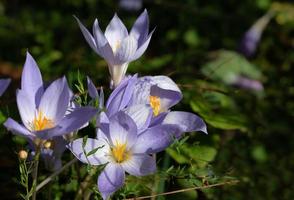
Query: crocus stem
point(52, 176)
point(35, 173)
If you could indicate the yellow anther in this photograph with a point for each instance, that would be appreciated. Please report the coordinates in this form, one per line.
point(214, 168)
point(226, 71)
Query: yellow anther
point(155, 104)
point(22, 154)
point(120, 152)
point(48, 144)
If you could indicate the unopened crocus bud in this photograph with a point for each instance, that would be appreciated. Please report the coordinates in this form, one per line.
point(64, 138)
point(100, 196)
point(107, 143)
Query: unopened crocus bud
point(22, 154)
point(48, 144)
point(252, 37)
point(131, 5)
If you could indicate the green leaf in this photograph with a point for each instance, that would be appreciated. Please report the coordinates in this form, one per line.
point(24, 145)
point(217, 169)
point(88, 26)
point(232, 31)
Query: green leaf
point(94, 150)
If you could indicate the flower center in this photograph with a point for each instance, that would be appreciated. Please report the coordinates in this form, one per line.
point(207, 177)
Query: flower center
point(120, 153)
point(116, 46)
point(41, 122)
point(155, 104)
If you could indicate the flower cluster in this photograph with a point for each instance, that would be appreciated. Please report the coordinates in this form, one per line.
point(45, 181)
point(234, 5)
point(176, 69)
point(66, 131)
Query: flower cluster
point(134, 123)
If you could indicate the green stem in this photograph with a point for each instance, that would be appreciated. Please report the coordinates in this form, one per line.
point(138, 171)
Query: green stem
point(35, 173)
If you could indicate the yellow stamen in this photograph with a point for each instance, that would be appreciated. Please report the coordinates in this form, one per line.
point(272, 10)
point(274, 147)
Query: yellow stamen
point(120, 152)
point(155, 104)
point(116, 46)
point(48, 144)
point(41, 122)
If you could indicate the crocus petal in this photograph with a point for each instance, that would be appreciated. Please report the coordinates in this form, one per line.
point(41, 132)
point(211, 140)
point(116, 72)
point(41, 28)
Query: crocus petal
point(102, 125)
point(122, 129)
point(88, 36)
point(98, 158)
point(186, 121)
point(71, 122)
point(126, 51)
point(55, 100)
point(26, 108)
point(103, 47)
point(140, 165)
point(31, 80)
point(92, 89)
point(140, 28)
point(101, 98)
point(4, 83)
point(155, 139)
point(141, 114)
point(111, 179)
point(142, 47)
point(17, 129)
point(115, 32)
point(167, 90)
point(121, 96)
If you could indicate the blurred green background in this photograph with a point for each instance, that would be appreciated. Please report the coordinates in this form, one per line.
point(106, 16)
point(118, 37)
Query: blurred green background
point(196, 43)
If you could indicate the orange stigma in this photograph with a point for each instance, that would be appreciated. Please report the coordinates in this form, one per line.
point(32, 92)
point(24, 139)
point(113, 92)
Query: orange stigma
point(41, 122)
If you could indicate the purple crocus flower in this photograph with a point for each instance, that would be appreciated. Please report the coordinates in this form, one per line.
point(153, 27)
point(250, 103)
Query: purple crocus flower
point(122, 147)
point(117, 46)
point(252, 37)
point(4, 83)
point(43, 112)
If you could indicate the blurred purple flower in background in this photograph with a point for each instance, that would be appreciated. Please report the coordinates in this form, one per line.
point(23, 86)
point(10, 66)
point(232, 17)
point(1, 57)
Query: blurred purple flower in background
point(43, 112)
point(131, 5)
point(247, 83)
point(4, 83)
point(117, 46)
point(252, 37)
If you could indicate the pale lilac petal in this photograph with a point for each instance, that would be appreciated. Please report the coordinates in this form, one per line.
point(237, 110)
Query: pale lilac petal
point(55, 100)
point(103, 47)
point(98, 158)
point(167, 90)
point(92, 89)
point(115, 32)
point(31, 80)
point(140, 165)
point(122, 130)
point(110, 180)
point(88, 36)
point(142, 47)
point(121, 96)
point(126, 51)
point(71, 122)
point(186, 121)
point(18, 129)
point(4, 83)
point(141, 114)
point(156, 139)
point(140, 28)
point(102, 125)
point(26, 108)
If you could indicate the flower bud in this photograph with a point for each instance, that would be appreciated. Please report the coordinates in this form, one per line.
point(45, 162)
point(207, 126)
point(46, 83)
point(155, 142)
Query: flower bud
point(22, 154)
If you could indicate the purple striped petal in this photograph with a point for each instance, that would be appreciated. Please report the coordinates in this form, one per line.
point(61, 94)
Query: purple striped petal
point(18, 129)
point(155, 139)
point(103, 47)
point(88, 36)
point(142, 47)
point(140, 28)
point(4, 83)
point(110, 180)
point(140, 165)
point(115, 32)
point(26, 108)
point(121, 96)
point(98, 158)
point(187, 122)
point(71, 122)
point(141, 114)
point(55, 100)
point(122, 130)
point(92, 89)
point(31, 80)
point(126, 51)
